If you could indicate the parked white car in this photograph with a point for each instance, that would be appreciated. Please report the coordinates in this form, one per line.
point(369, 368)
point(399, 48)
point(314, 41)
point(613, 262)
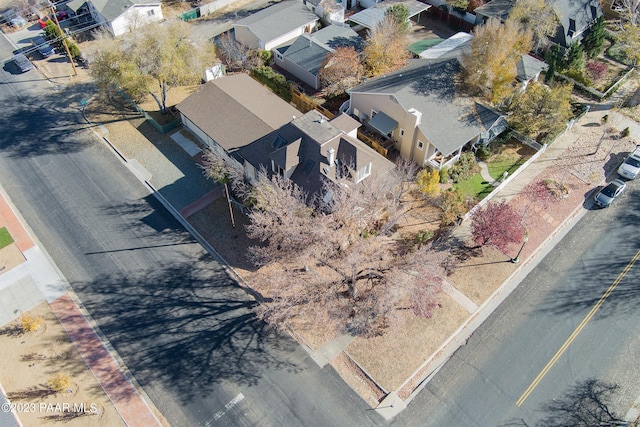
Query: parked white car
point(630, 168)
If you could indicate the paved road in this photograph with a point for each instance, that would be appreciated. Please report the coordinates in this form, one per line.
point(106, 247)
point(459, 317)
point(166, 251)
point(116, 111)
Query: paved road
point(483, 381)
point(180, 324)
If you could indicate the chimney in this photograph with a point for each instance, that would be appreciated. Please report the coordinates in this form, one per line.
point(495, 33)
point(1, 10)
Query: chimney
point(331, 156)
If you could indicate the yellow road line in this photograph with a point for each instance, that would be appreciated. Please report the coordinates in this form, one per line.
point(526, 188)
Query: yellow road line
point(575, 333)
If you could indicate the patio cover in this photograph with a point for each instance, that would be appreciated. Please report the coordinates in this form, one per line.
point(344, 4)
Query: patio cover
point(369, 18)
point(383, 123)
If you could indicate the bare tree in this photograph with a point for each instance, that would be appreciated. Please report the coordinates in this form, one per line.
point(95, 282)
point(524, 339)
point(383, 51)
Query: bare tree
point(335, 256)
point(536, 16)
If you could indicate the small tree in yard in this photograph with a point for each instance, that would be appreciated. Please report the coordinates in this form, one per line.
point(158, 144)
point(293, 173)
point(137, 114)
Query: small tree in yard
point(400, 13)
point(537, 16)
point(541, 108)
point(151, 61)
point(427, 181)
point(385, 48)
point(464, 168)
point(339, 71)
point(453, 205)
point(489, 69)
point(594, 41)
point(498, 225)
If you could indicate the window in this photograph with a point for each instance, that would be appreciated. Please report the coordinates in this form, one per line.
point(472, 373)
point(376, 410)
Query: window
point(279, 56)
point(401, 132)
point(364, 172)
point(572, 27)
point(373, 113)
point(420, 145)
point(150, 12)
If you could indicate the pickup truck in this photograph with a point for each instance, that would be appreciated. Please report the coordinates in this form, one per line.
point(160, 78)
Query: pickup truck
point(630, 168)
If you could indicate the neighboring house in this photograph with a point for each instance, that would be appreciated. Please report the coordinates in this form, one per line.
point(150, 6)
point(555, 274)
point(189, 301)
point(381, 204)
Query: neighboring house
point(275, 25)
point(422, 111)
point(575, 17)
point(528, 70)
point(117, 16)
point(304, 57)
point(375, 11)
point(233, 111)
point(311, 150)
point(329, 11)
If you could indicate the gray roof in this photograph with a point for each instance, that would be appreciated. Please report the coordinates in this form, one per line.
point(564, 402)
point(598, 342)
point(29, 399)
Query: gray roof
point(309, 50)
point(496, 9)
point(372, 16)
point(303, 144)
point(583, 12)
point(528, 67)
point(450, 118)
point(281, 18)
point(236, 110)
point(111, 9)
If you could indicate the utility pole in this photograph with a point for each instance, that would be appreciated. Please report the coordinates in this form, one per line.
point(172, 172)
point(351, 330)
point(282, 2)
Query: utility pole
point(64, 38)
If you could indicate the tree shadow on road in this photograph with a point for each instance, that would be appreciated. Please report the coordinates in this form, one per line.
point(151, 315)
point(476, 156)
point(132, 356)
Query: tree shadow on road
point(47, 124)
point(587, 403)
point(597, 275)
point(186, 326)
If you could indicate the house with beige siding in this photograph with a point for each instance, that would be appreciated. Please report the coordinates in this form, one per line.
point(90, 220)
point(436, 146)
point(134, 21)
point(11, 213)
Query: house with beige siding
point(117, 16)
point(423, 114)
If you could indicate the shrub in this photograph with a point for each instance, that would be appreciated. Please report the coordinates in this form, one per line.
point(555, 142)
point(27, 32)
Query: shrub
point(483, 152)
point(74, 50)
point(274, 81)
point(59, 382)
point(464, 168)
point(596, 70)
point(423, 237)
point(265, 56)
point(444, 175)
point(30, 323)
point(625, 132)
point(427, 181)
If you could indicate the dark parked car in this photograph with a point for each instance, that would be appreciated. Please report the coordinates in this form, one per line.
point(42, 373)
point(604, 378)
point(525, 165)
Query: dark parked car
point(43, 47)
point(608, 194)
point(22, 62)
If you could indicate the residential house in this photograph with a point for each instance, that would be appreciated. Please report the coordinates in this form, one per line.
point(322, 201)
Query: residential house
point(329, 11)
point(528, 68)
point(304, 57)
point(423, 113)
point(575, 17)
point(233, 111)
point(117, 16)
point(275, 25)
point(311, 150)
point(375, 11)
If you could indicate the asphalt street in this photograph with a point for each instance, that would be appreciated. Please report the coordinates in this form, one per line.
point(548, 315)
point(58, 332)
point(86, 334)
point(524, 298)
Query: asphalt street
point(179, 323)
point(540, 328)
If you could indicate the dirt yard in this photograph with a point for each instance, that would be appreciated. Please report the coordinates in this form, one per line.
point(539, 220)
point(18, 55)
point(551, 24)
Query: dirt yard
point(31, 359)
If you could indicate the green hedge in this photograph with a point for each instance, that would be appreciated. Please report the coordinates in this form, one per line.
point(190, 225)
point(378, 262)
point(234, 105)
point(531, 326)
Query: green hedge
point(274, 81)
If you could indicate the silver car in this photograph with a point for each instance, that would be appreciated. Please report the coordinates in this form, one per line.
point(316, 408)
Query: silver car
point(608, 194)
point(22, 62)
point(630, 168)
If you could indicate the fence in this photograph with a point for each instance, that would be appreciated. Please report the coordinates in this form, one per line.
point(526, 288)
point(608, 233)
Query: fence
point(596, 94)
point(372, 143)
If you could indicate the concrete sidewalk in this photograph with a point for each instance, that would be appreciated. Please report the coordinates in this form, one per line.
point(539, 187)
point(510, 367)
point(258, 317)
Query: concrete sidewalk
point(37, 279)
